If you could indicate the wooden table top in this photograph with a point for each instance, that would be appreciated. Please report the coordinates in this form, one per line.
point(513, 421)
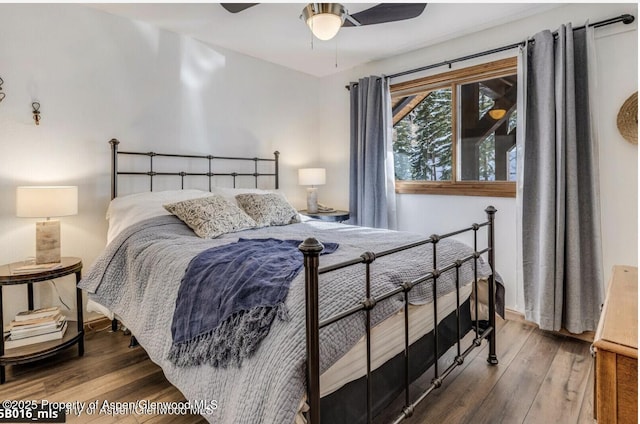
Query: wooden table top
point(68, 265)
point(618, 324)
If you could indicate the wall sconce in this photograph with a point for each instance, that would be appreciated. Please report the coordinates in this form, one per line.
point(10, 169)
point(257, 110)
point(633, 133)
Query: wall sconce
point(36, 112)
point(2, 95)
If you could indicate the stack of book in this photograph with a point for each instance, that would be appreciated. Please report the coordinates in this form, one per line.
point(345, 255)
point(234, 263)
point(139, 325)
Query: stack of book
point(40, 325)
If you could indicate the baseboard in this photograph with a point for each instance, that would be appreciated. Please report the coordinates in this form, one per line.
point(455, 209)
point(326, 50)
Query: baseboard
point(512, 315)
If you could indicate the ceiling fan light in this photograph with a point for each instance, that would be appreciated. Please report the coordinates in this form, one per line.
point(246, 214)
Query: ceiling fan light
point(324, 26)
point(324, 19)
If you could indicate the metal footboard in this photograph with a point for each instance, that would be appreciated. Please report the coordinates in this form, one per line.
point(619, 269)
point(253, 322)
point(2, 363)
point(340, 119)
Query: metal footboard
point(311, 249)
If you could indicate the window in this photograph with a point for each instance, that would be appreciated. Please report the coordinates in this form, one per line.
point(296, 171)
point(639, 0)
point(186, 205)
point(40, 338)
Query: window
point(455, 132)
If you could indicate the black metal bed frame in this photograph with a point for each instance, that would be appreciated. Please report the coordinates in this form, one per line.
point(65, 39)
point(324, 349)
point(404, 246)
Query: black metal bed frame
point(311, 249)
point(210, 174)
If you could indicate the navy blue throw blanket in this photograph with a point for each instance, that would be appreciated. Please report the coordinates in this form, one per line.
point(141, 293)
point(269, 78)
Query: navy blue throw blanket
point(228, 298)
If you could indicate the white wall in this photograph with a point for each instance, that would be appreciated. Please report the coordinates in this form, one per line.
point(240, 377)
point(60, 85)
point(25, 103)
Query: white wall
point(98, 76)
point(617, 80)
point(617, 75)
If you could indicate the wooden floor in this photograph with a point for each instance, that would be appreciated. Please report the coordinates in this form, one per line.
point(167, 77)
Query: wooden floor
point(109, 370)
point(541, 378)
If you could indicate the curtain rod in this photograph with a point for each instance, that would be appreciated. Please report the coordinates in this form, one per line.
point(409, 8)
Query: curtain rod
point(625, 19)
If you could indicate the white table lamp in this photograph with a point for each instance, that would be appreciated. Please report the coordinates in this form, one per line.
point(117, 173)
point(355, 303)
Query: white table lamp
point(312, 177)
point(47, 202)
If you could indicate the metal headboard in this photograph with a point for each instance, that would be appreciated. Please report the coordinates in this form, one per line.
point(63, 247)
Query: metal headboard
point(182, 174)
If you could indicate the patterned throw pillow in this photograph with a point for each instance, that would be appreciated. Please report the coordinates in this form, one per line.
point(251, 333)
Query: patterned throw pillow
point(268, 209)
point(211, 216)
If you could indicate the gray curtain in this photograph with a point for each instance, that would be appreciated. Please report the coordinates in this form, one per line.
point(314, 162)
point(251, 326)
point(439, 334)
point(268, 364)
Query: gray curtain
point(562, 258)
point(371, 182)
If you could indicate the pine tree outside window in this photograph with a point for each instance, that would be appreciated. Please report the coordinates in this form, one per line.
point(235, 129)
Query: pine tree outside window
point(455, 132)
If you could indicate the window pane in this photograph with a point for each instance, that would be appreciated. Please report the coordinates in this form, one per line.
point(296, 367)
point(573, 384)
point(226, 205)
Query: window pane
point(487, 122)
point(513, 165)
point(487, 159)
point(422, 139)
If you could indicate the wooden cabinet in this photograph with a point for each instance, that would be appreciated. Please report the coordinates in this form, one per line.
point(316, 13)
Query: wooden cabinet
point(616, 347)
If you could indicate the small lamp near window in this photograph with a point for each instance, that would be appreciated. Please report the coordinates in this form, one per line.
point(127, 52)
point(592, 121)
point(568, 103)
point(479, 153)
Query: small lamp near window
point(47, 202)
point(312, 177)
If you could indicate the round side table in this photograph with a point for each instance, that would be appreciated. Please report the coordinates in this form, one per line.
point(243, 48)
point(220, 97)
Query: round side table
point(32, 352)
point(335, 216)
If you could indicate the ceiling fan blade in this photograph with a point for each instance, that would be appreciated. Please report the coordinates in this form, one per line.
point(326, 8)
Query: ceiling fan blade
point(237, 7)
point(385, 12)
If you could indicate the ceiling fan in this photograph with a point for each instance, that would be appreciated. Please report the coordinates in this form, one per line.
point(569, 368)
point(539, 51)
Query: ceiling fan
point(326, 19)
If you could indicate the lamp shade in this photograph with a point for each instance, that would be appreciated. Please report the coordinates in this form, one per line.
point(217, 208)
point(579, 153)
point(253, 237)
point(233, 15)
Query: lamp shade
point(46, 201)
point(312, 176)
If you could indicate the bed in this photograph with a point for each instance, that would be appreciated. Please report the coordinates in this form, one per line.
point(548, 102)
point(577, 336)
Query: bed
point(358, 326)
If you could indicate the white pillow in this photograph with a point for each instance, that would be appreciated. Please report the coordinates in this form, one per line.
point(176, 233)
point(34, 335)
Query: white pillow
point(128, 210)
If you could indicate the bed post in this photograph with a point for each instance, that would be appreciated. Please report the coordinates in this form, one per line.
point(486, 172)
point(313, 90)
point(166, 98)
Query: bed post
point(492, 358)
point(311, 249)
point(276, 155)
point(114, 192)
point(114, 167)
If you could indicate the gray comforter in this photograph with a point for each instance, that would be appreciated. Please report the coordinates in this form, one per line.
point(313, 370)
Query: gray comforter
point(139, 274)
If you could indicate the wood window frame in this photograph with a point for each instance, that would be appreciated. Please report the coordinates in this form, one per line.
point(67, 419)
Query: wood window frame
point(452, 79)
